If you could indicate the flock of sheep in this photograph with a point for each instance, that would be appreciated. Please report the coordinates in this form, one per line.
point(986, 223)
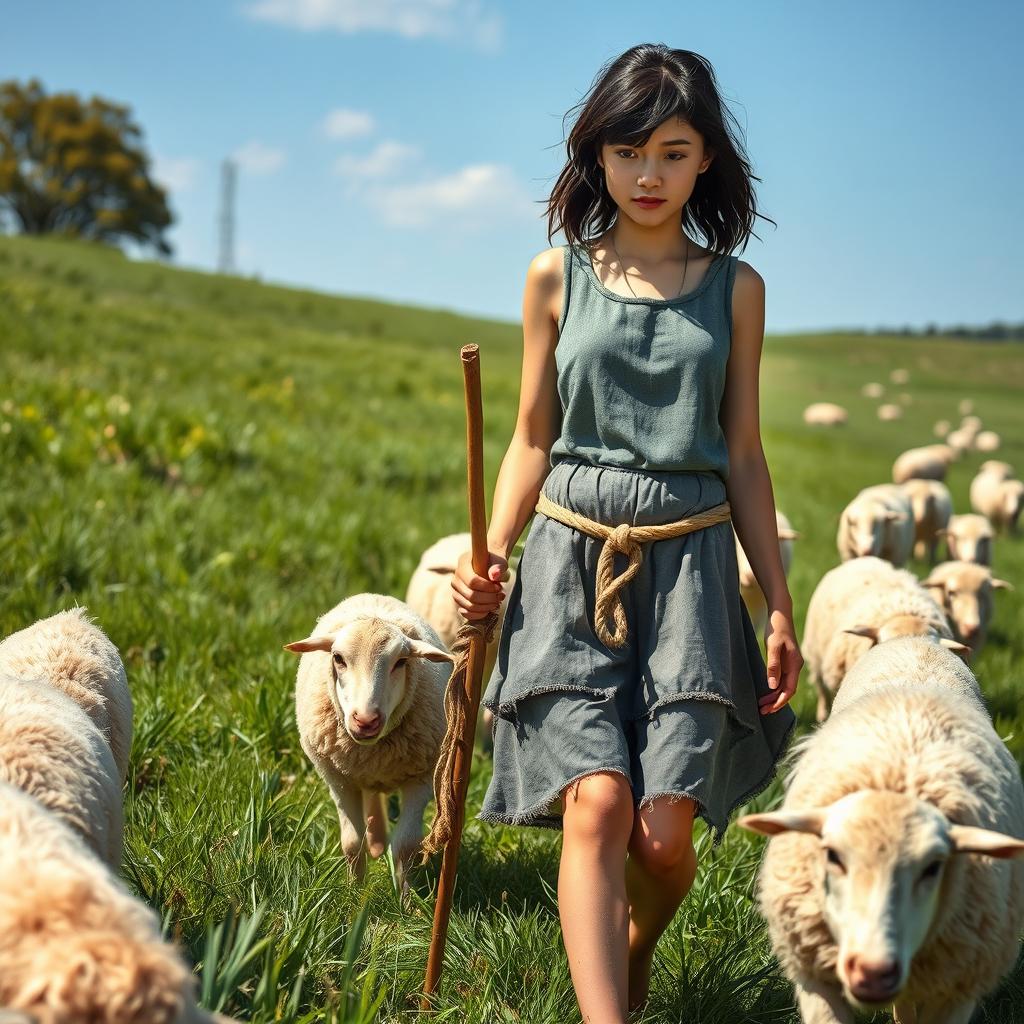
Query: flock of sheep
point(895, 877)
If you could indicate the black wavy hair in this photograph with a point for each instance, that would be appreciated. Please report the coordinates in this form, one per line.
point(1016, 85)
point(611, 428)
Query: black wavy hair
point(631, 95)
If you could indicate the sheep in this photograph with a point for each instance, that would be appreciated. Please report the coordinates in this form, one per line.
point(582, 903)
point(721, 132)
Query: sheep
point(969, 538)
point(941, 428)
point(75, 946)
point(74, 655)
point(933, 506)
point(987, 441)
point(966, 406)
point(889, 411)
point(753, 596)
point(1001, 500)
point(893, 875)
point(429, 594)
point(369, 704)
point(971, 423)
point(964, 589)
point(859, 603)
point(900, 376)
point(921, 464)
point(825, 414)
point(961, 440)
point(879, 521)
point(873, 390)
point(997, 468)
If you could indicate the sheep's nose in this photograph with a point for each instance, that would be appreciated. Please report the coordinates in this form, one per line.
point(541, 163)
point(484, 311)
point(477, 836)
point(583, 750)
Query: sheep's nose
point(367, 725)
point(970, 632)
point(872, 981)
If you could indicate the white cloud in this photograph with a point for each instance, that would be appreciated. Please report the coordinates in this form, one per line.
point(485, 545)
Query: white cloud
point(475, 196)
point(258, 158)
point(347, 124)
point(177, 174)
point(386, 158)
point(413, 19)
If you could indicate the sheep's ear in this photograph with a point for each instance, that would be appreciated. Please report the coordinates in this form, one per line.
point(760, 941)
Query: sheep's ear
point(871, 632)
point(421, 649)
point(311, 643)
point(1001, 584)
point(933, 583)
point(954, 645)
point(789, 535)
point(773, 822)
point(967, 839)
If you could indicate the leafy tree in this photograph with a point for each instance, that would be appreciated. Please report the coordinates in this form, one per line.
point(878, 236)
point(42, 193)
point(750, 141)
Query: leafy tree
point(77, 168)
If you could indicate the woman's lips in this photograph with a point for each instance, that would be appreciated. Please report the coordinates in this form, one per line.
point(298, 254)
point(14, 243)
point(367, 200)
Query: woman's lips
point(648, 202)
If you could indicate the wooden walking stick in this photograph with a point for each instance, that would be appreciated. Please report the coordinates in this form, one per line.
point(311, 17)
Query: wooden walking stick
point(462, 696)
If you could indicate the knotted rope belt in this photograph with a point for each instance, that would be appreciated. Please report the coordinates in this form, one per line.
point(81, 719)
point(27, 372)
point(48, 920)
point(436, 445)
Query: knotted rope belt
point(627, 539)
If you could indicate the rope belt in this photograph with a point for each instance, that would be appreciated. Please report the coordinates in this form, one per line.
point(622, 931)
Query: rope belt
point(627, 539)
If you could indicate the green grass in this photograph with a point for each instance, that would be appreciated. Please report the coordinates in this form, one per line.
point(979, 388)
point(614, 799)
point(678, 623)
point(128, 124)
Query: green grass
point(208, 463)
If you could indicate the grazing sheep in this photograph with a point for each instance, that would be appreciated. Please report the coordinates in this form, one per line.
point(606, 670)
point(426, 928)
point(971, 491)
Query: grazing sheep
point(873, 390)
point(900, 376)
point(72, 654)
point(825, 414)
point(987, 441)
point(890, 411)
point(369, 703)
point(971, 423)
point(933, 506)
point(941, 428)
point(878, 521)
point(921, 464)
point(430, 594)
point(75, 946)
point(969, 538)
point(966, 406)
point(893, 875)
point(964, 589)
point(962, 440)
point(1001, 500)
point(997, 468)
point(859, 603)
point(753, 596)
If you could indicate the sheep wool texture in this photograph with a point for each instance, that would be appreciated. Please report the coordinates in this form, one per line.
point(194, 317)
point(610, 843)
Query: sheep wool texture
point(674, 710)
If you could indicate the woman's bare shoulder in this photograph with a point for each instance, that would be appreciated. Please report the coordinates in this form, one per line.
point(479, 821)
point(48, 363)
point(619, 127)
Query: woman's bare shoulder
point(544, 278)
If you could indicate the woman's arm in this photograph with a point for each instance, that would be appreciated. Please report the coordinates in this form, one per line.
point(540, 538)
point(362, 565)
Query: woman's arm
point(749, 486)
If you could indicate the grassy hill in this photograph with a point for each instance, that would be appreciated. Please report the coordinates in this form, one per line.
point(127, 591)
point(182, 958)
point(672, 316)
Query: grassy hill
point(208, 463)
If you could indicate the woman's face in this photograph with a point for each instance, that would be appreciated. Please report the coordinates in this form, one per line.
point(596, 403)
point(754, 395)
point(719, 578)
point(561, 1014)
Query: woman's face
point(665, 168)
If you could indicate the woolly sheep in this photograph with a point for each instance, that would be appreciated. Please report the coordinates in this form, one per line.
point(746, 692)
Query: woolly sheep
point(75, 946)
point(997, 468)
point(859, 603)
point(753, 596)
point(71, 653)
point(964, 589)
point(1001, 500)
point(969, 538)
point(941, 428)
point(933, 506)
point(888, 878)
point(987, 441)
point(900, 376)
point(889, 411)
point(962, 440)
point(920, 464)
point(369, 703)
point(971, 423)
point(966, 406)
point(430, 594)
point(825, 414)
point(873, 390)
point(879, 521)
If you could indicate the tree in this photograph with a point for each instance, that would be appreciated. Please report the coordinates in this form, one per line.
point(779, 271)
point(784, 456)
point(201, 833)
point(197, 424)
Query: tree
point(77, 168)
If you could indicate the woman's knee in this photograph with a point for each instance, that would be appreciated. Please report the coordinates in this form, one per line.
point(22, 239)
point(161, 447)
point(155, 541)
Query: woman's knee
point(662, 836)
point(599, 806)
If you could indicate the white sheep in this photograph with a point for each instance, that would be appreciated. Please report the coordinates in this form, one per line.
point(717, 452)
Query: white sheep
point(890, 411)
point(966, 406)
point(969, 538)
point(941, 428)
point(926, 463)
point(1001, 500)
point(71, 653)
point(825, 414)
point(962, 440)
point(429, 594)
point(369, 703)
point(75, 946)
point(987, 441)
point(900, 376)
point(997, 468)
point(879, 521)
point(893, 875)
point(873, 390)
point(964, 589)
point(750, 591)
point(859, 603)
point(933, 506)
point(971, 423)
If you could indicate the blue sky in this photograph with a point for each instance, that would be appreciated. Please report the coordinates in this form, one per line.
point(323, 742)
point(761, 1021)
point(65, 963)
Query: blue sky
point(401, 149)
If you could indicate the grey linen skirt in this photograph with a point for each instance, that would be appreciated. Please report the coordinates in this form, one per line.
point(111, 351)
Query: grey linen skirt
point(675, 709)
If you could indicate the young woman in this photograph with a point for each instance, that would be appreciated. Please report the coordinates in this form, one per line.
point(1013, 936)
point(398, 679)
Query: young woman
point(638, 406)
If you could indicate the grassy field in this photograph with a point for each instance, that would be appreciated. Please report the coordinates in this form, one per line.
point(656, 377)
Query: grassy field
point(208, 463)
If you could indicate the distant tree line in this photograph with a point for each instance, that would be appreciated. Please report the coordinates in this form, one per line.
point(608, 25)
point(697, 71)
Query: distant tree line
point(995, 331)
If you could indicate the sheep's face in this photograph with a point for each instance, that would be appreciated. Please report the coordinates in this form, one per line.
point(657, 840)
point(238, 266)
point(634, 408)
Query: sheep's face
point(969, 539)
point(868, 524)
point(908, 625)
point(369, 674)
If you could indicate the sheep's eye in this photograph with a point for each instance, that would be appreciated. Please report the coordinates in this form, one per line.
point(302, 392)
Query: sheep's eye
point(932, 871)
point(834, 859)
point(339, 660)
point(399, 664)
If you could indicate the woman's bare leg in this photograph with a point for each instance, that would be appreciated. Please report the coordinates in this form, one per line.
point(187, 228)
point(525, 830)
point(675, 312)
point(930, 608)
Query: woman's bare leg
point(597, 820)
point(660, 870)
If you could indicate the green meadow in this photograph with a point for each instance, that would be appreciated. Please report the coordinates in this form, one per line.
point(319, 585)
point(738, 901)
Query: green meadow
point(208, 463)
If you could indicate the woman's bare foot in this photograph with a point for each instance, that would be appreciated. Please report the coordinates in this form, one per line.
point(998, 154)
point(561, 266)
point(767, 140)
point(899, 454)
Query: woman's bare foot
point(639, 979)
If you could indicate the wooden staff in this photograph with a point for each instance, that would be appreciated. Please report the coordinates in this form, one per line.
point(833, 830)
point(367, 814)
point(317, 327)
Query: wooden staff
point(462, 696)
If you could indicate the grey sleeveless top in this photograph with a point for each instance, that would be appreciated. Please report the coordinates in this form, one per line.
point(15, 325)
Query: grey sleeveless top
point(641, 379)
